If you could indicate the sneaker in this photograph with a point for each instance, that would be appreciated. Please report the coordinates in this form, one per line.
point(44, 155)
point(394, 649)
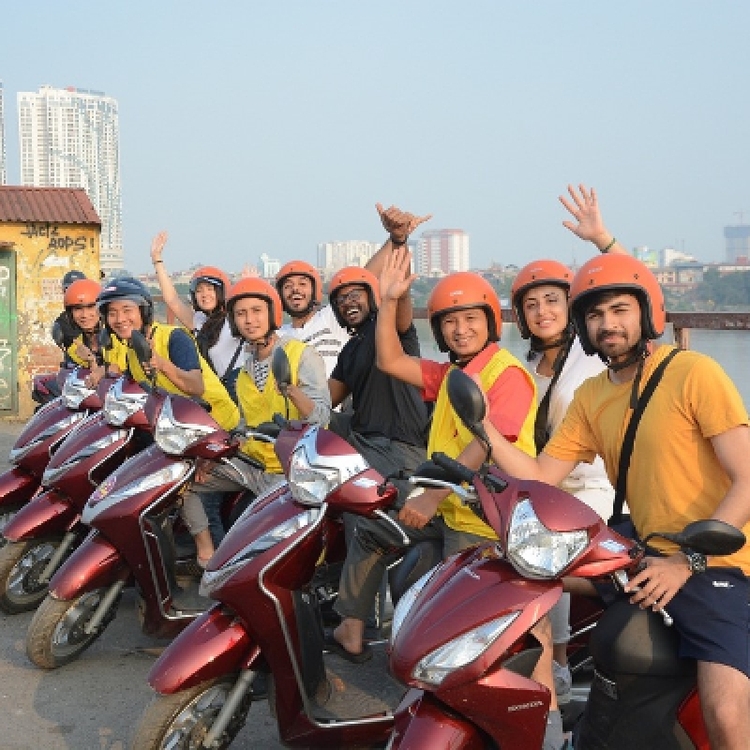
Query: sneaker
point(563, 683)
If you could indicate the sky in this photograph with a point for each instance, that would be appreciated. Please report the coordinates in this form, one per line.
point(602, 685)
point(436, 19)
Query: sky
point(270, 126)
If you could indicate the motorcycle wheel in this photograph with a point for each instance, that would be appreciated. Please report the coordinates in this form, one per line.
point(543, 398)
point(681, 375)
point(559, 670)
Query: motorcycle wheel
point(182, 720)
point(56, 634)
point(21, 564)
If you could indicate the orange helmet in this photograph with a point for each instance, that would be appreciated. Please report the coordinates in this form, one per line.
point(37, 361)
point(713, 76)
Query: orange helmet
point(81, 292)
point(536, 273)
point(301, 268)
point(460, 291)
point(354, 275)
point(617, 273)
point(255, 287)
point(210, 275)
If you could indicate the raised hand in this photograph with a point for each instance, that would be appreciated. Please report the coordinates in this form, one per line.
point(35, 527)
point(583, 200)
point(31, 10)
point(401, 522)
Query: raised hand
point(584, 208)
point(157, 246)
point(396, 276)
point(399, 224)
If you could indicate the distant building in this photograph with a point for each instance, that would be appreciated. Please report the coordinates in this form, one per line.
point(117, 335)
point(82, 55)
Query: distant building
point(737, 238)
point(269, 267)
point(442, 251)
point(646, 255)
point(3, 153)
point(338, 254)
point(70, 138)
point(671, 257)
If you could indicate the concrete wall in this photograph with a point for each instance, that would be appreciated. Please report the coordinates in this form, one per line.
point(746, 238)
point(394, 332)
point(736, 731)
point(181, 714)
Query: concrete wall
point(44, 252)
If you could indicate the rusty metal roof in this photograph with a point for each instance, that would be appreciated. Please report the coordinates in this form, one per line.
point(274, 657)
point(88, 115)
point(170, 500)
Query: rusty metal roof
point(61, 205)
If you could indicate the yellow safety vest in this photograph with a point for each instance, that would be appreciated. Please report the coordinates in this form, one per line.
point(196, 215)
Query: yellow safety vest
point(260, 406)
point(223, 409)
point(449, 435)
point(117, 355)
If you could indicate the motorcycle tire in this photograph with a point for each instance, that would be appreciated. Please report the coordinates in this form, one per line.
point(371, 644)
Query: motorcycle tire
point(56, 634)
point(183, 719)
point(21, 564)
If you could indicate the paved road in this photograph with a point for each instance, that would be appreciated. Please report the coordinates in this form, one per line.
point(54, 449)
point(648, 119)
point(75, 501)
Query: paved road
point(94, 703)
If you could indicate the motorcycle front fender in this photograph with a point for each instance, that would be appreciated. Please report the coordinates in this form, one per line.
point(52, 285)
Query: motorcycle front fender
point(47, 514)
point(422, 722)
point(17, 487)
point(214, 644)
point(95, 564)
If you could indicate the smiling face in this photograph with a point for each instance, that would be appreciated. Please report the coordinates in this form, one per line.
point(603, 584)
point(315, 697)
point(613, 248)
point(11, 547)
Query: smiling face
point(353, 304)
point(205, 296)
point(251, 318)
point(124, 317)
point(86, 317)
point(297, 293)
point(465, 332)
point(545, 309)
point(613, 324)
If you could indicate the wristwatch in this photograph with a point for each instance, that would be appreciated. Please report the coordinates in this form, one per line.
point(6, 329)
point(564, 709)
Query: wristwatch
point(696, 561)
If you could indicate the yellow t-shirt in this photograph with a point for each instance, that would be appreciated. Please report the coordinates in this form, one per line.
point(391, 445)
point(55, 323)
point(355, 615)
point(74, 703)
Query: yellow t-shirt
point(674, 476)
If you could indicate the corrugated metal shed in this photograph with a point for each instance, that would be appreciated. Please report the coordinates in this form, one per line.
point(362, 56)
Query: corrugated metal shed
point(33, 204)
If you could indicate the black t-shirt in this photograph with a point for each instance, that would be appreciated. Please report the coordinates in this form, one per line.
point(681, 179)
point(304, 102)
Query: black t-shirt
point(70, 330)
point(382, 404)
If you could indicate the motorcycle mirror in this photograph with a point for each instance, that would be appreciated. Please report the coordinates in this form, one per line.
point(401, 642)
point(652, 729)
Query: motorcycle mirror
point(280, 367)
point(709, 537)
point(141, 346)
point(105, 339)
point(57, 335)
point(467, 399)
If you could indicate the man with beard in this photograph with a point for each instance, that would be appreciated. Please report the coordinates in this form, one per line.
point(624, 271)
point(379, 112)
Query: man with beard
point(389, 420)
point(301, 290)
point(689, 462)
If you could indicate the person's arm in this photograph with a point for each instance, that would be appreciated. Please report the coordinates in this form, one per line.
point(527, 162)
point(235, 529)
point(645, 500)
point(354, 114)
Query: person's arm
point(590, 227)
point(395, 281)
point(399, 225)
point(663, 577)
point(311, 395)
point(337, 390)
point(514, 461)
point(182, 368)
point(180, 309)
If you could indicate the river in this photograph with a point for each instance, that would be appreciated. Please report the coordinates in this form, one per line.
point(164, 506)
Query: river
point(730, 348)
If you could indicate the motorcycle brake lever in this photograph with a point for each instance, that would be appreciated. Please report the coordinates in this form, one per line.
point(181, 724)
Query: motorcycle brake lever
point(621, 579)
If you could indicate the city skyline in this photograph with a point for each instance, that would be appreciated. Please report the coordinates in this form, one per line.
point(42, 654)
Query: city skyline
point(70, 138)
point(297, 118)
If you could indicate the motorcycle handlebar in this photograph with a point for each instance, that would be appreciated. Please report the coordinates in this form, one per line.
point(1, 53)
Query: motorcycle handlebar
point(453, 467)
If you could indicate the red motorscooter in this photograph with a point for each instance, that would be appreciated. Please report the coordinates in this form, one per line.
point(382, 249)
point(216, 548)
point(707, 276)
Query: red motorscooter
point(45, 531)
point(461, 636)
point(41, 437)
point(132, 515)
point(264, 574)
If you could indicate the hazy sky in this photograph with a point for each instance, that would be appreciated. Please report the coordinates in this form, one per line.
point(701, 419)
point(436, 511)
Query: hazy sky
point(252, 127)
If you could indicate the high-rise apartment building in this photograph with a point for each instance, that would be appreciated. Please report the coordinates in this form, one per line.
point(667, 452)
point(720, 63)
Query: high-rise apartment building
point(3, 152)
point(335, 255)
point(442, 251)
point(70, 138)
point(737, 238)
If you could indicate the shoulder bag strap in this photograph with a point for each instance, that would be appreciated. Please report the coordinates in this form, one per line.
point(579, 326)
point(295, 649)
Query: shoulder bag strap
point(629, 440)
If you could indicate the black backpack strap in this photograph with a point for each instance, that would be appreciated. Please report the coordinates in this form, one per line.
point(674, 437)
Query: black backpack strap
point(629, 439)
point(541, 434)
point(228, 372)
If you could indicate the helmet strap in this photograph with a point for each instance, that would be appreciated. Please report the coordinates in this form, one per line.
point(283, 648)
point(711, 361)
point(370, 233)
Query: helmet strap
point(536, 345)
point(637, 354)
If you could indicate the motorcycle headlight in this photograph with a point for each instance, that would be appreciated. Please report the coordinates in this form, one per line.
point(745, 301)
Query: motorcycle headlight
point(435, 667)
point(406, 602)
point(310, 484)
point(174, 437)
point(75, 391)
point(537, 552)
point(109, 491)
point(118, 406)
point(18, 453)
point(215, 578)
point(50, 474)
